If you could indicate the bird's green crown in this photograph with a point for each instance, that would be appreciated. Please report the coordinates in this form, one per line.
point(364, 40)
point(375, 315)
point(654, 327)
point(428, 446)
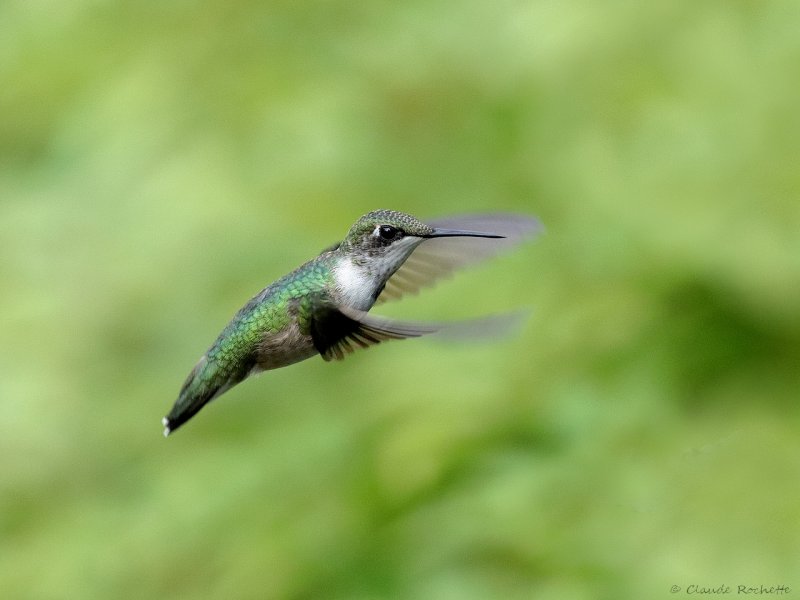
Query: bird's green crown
point(383, 226)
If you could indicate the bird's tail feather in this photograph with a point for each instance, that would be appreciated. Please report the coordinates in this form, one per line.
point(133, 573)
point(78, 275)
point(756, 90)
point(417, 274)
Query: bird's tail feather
point(201, 386)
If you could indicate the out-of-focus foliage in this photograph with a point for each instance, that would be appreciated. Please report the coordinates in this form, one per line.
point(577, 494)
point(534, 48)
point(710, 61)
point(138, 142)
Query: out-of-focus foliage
point(161, 161)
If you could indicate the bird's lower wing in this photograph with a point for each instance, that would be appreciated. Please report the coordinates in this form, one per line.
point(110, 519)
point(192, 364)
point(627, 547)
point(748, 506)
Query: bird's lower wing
point(338, 330)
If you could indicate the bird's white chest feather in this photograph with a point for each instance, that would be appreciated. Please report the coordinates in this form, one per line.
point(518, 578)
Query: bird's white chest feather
point(355, 285)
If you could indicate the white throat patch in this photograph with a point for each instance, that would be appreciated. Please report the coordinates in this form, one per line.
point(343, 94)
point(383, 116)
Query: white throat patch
point(354, 284)
point(357, 284)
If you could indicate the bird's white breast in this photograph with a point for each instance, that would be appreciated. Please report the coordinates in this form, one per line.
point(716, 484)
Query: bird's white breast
point(355, 284)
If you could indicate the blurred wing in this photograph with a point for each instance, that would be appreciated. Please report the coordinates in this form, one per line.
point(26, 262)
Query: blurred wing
point(338, 331)
point(439, 257)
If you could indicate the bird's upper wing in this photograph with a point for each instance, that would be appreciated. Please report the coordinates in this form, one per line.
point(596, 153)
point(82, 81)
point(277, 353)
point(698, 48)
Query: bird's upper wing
point(439, 257)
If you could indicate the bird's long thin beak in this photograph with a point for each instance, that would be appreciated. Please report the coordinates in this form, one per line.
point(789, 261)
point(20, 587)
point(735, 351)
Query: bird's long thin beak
point(439, 232)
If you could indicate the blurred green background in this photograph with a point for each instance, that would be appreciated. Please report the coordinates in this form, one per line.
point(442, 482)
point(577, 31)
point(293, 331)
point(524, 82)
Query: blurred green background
point(161, 162)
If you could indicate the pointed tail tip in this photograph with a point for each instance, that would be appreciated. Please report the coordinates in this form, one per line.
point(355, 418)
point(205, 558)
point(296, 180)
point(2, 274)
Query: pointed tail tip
point(167, 427)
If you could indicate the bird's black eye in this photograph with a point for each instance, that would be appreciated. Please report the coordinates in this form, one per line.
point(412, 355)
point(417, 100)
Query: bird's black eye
point(387, 232)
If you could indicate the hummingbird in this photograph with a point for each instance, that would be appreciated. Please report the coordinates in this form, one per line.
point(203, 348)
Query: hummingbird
point(322, 307)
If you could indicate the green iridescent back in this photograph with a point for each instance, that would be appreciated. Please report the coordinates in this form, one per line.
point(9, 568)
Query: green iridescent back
point(269, 312)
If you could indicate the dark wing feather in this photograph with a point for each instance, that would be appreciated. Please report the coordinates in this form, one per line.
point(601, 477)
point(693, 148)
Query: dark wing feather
point(436, 258)
point(338, 331)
